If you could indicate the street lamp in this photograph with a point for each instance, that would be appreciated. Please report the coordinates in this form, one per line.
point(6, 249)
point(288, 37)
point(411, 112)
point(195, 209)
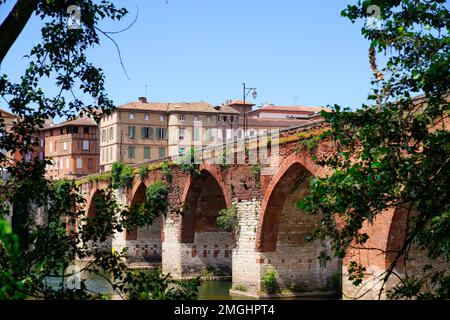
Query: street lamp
point(245, 93)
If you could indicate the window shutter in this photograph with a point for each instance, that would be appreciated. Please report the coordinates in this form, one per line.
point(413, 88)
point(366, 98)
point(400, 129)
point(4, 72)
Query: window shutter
point(151, 134)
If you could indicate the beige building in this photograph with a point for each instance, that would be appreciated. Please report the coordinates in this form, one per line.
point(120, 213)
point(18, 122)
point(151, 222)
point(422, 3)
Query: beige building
point(200, 125)
point(135, 132)
point(271, 117)
point(141, 131)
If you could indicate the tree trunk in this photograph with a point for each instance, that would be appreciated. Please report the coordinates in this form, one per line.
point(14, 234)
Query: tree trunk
point(14, 23)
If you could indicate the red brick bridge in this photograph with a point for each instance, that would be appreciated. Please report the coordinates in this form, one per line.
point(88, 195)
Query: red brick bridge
point(271, 229)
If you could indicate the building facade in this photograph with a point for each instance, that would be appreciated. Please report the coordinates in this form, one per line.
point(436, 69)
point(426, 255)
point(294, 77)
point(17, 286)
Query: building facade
point(271, 117)
point(200, 125)
point(135, 132)
point(142, 131)
point(73, 147)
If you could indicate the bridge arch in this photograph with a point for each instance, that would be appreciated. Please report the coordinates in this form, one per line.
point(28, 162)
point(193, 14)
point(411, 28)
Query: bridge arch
point(282, 228)
point(143, 243)
point(207, 245)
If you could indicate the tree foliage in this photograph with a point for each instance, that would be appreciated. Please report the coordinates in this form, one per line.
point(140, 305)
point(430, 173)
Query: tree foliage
point(395, 152)
point(51, 229)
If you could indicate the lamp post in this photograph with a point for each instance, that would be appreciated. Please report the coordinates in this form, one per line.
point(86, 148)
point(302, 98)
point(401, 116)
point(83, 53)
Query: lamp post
point(245, 93)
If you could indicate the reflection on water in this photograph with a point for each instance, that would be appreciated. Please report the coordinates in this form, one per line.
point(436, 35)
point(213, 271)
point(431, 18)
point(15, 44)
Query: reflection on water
point(219, 290)
point(208, 290)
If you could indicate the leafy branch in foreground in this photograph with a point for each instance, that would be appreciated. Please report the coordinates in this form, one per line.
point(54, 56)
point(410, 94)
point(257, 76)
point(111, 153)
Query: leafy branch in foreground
point(395, 153)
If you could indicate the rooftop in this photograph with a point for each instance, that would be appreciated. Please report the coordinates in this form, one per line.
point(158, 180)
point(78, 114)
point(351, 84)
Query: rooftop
point(177, 107)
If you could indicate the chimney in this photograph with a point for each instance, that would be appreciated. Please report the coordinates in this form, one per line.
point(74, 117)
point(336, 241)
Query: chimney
point(142, 99)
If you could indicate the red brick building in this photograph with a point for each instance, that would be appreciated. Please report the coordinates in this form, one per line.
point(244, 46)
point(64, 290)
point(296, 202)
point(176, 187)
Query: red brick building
point(74, 148)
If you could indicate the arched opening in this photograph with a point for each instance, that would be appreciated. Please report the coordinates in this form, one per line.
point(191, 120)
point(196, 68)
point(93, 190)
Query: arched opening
point(207, 246)
point(91, 214)
point(144, 243)
point(92, 210)
point(282, 236)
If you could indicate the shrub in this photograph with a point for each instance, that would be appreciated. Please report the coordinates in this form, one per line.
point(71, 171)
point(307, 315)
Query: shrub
point(165, 169)
point(269, 281)
point(127, 176)
point(116, 171)
point(187, 163)
point(143, 169)
point(156, 198)
point(228, 219)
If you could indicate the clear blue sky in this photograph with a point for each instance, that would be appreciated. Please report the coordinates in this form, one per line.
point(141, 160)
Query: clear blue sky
point(188, 50)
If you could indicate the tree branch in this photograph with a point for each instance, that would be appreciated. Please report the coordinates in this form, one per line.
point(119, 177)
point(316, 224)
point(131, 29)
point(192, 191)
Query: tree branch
point(14, 23)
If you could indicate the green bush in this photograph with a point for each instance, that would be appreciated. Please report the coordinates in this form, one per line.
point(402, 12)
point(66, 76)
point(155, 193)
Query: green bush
point(157, 198)
point(165, 169)
point(143, 169)
point(269, 281)
point(228, 219)
point(116, 171)
point(187, 163)
point(122, 175)
point(127, 176)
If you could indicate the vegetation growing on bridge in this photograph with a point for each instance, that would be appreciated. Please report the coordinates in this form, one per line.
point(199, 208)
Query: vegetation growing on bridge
point(269, 281)
point(188, 164)
point(122, 175)
point(228, 220)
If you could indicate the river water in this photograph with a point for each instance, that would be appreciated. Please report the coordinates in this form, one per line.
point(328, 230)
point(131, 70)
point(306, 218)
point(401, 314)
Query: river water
point(208, 290)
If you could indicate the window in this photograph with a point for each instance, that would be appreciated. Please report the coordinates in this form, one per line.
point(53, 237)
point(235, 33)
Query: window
point(146, 117)
point(196, 134)
point(102, 151)
point(181, 151)
point(147, 153)
point(181, 117)
point(196, 118)
point(79, 163)
point(61, 131)
point(103, 135)
point(86, 130)
point(218, 118)
point(131, 116)
point(85, 145)
point(56, 146)
point(208, 119)
point(131, 152)
point(229, 134)
point(90, 163)
point(252, 133)
point(180, 133)
point(65, 146)
point(209, 136)
point(75, 130)
point(67, 163)
point(239, 133)
point(110, 154)
point(145, 133)
point(162, 152)
point(224, 118)
point(161, 118)
point(68, 130)
point(111, 133)
point(131, 132)
point(51, 147)
point(161, 133)
point(61, 164)
point(150, 133)
point(231, 119)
